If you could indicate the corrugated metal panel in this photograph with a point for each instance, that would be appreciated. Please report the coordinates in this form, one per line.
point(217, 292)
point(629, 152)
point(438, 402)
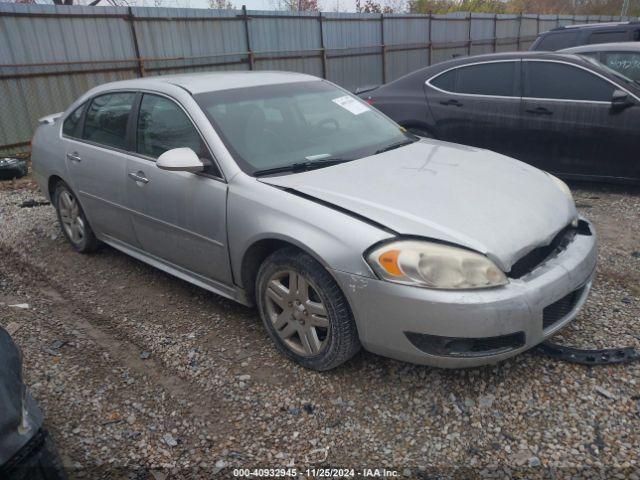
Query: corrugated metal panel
point(56, 53)
point(406, 31)
point(358, 34)
point(189, 33)
point(281, 36)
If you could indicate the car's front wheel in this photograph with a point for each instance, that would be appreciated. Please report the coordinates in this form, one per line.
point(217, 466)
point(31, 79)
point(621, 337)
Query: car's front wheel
point(304, 311)
point(73, 221)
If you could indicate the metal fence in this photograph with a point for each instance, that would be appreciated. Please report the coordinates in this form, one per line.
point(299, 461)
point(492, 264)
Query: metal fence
point(49, 55)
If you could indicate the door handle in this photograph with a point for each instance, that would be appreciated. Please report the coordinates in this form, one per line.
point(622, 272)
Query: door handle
point(138, 177)
point(451, 101)
point(74, 157)
point(539, 111)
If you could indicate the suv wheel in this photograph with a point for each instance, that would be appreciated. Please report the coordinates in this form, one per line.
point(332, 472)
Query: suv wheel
point(73, 221)
point(304, 311)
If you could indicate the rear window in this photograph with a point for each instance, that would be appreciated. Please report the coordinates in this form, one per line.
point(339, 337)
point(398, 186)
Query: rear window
point(558, 40)
point(493, 78)
point(608, 36)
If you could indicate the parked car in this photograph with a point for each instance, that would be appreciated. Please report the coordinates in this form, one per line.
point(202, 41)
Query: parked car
point(562, 113)
point(26, 450)
point(621, 57)
point(586, 34)
point(284, 191)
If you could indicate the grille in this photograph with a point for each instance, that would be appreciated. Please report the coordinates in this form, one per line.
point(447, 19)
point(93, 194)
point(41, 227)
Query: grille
point(466, 347)
point(537, 256)
point(558, 310)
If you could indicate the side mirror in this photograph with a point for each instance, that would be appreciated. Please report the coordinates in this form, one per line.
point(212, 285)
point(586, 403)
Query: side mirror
point(180, 160)
point(620, 100)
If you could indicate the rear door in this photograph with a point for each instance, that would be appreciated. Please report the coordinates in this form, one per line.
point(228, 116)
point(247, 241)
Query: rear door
point(478, 104)
point(179, 217)
point(96, 148)
point(569, 126)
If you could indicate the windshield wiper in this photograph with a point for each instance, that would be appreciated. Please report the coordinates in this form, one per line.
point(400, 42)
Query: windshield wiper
point(301, 166)
point(393, 146)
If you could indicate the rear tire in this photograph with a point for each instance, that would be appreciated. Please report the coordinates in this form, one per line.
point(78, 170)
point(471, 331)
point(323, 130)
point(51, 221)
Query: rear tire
point(304, 311)
point(73, 222)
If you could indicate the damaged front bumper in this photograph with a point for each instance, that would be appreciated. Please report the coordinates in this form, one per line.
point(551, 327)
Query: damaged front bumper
point(452, 329)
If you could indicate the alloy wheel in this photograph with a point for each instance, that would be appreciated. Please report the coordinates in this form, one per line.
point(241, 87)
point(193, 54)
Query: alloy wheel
point(298, 314)
point(70, 216)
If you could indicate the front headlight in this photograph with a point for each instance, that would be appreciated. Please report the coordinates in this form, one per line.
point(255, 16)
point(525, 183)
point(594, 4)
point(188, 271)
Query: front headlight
point(432, 265)
point(561, 185)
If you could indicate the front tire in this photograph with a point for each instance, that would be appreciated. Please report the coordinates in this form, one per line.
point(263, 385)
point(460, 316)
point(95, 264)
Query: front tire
point(73, 222)
point(304, 311)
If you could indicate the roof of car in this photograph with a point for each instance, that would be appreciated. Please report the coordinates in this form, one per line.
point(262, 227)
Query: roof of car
point(507, 56)
point(604, 47)
point(593, 25)
point(205, 82)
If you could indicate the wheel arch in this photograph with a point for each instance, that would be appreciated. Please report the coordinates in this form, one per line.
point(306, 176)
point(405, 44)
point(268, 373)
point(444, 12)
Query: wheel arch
point(256, 254)
point(52, 183)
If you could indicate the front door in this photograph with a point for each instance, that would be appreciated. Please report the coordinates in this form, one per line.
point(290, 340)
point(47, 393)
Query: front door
point(570, 127)
point(478, 105)
point(96, 160)
point(179, 217)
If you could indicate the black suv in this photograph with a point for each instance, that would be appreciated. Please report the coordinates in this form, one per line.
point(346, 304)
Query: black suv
point(574, 35)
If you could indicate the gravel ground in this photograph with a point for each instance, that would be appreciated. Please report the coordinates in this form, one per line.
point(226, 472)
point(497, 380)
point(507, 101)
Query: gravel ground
point(142, 372)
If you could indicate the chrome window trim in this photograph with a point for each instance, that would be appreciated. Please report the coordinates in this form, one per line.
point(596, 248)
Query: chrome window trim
point(139, 155)
point(508, 97)
point(592, 72)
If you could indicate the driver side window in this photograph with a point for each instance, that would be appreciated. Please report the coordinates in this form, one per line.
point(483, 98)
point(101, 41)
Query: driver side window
point(163, 125)
point(562, 81)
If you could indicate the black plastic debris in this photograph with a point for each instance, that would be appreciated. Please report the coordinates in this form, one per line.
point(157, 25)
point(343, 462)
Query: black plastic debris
point(603, 356)
point(11, 167)
point(33, 203)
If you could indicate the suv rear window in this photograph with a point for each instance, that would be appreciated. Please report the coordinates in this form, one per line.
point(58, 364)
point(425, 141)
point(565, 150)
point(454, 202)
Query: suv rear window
point(608, 36)
point(558, 40)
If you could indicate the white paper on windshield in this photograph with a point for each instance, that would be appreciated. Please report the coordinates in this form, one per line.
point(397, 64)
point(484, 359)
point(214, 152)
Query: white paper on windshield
point(351, 104)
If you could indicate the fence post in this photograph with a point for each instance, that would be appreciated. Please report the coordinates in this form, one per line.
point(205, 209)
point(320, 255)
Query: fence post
point(537, 24)
point(384, 50)
point(245, 18)
point(519, 30)
point(322, 49)
point(430, 51)
point(495, 32)
point(134, 38)
point(469, 35)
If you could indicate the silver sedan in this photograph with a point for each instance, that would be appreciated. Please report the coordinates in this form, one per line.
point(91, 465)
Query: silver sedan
point(284, 191)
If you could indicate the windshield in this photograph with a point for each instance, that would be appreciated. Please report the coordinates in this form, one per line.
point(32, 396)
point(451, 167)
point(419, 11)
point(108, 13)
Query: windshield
point(610, 70)
point(274, 126)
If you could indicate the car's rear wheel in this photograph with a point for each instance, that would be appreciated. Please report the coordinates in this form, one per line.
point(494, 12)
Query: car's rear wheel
point(304, 311)
point(73, 222)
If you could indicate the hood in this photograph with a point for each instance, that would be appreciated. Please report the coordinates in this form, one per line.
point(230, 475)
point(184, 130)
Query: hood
point(471, 197)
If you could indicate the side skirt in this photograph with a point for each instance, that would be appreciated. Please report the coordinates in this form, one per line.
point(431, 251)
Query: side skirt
point(231, 292)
